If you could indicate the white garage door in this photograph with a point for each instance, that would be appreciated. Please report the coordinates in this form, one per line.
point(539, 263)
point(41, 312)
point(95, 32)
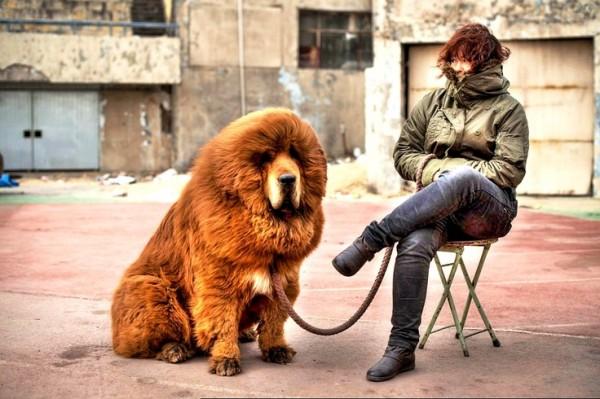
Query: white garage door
point(553, 79)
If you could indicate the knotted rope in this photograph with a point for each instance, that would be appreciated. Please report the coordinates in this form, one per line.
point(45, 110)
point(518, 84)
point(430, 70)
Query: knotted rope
point(287, 306)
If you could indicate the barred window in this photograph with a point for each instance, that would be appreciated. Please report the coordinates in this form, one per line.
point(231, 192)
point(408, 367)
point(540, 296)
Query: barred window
point(336, 40)
point(148, 11)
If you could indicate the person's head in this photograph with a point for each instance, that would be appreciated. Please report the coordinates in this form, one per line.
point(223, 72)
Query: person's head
point(471, 49)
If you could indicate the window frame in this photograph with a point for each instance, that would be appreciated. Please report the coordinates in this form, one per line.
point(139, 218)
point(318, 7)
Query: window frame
point(352, 28)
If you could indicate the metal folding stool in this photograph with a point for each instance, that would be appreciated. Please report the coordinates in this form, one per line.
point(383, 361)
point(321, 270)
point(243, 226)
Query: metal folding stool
point(458, 247)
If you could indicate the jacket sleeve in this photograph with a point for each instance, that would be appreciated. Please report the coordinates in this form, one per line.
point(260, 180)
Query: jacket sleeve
point(507, 166)
point(410, 147)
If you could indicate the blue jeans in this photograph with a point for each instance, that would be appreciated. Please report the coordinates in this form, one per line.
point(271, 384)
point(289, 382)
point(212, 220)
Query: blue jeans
point(460, 204)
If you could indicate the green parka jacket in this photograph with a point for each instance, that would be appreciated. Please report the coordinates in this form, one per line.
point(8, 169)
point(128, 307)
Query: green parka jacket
point(474, 122)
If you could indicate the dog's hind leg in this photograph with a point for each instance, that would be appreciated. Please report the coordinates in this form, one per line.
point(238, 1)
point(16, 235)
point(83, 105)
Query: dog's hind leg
point(149, 321)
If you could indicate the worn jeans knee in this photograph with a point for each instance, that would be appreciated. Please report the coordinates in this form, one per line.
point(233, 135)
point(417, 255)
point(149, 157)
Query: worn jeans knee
point(419, 246)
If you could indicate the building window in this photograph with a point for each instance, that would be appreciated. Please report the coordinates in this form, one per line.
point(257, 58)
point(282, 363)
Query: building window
point(152, 11)
point(337, 40)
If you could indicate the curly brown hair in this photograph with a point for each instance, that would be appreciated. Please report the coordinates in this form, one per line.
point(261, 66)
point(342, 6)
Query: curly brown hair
point(475, 44)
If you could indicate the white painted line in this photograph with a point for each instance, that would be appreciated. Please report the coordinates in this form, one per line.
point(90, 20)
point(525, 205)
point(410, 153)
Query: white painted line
point(517, 330)
point(15, 364)
point(547, 334)
point(549, 281)
point(515, 255)
point(560, 325)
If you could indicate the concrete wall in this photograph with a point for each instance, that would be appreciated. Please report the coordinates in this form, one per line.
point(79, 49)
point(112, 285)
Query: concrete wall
point(209, 96)
point(399, 22)
point(92, 10)
point(56, 58)
point(132, 137)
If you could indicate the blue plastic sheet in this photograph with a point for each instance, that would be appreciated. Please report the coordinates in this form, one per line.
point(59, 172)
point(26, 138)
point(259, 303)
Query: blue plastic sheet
point(7, 181)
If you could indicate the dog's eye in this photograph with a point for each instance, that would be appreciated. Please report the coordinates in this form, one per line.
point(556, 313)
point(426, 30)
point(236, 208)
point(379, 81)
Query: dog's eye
point(294, 153)
point(262, 158)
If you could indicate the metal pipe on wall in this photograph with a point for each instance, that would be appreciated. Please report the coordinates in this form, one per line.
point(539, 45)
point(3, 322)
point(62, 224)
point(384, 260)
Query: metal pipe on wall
point(240, 15)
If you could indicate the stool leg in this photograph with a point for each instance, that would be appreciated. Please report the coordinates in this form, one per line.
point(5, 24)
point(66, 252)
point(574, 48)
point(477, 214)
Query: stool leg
point(475, 279)
point(463, 319)
point(472, 294)
point(459, 330)
point(467, 307)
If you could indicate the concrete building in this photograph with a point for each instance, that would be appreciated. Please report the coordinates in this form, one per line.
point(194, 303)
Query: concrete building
point(145, 99)
point(146, 103)
point(82, 96)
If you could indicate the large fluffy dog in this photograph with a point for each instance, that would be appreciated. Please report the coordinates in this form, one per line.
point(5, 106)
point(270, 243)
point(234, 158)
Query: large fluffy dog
point(202, 281)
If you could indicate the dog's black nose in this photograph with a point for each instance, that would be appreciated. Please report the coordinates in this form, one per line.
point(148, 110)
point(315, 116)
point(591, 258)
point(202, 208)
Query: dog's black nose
point(287, 178)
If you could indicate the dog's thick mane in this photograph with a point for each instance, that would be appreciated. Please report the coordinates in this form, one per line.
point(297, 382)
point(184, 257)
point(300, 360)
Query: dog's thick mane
point(228, 174)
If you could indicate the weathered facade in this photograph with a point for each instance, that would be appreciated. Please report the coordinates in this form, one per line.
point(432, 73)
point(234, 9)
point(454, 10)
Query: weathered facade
point(210, 95)
point(199, 80)
point(48, 70)
point(554, 70)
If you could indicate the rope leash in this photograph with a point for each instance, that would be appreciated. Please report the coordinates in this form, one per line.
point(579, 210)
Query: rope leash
point(287, 306)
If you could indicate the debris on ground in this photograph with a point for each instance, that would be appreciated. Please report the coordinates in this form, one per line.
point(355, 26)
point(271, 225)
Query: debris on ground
point(347, 178)
point(121, 180)
point(167, 174)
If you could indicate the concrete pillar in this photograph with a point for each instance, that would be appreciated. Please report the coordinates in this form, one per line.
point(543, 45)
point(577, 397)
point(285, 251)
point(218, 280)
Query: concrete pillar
point(383, 115)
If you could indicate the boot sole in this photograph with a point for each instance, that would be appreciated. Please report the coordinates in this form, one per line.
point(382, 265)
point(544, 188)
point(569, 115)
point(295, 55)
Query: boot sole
point(389, 377)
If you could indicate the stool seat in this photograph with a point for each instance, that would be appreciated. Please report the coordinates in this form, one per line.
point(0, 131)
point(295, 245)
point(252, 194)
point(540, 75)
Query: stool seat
point(471, 243)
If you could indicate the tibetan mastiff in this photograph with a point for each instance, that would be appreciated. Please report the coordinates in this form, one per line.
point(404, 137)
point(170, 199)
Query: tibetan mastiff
point(202, 283)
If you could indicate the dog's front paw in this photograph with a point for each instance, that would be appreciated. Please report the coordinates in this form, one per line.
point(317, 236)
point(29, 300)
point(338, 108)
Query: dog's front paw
point(278, 354)
point(225, 366)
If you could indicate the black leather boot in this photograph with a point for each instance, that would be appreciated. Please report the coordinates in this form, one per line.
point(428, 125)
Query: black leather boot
point(395, 360)
point(351, 259)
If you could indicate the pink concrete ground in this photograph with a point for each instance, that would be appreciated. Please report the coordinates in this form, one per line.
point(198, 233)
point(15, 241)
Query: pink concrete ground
point(60, 263)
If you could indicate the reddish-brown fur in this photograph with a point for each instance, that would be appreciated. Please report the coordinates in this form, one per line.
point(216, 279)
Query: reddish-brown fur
point(197, 283)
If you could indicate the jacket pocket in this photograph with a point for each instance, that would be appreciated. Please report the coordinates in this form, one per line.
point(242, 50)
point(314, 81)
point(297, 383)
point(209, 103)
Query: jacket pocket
point(439, 131)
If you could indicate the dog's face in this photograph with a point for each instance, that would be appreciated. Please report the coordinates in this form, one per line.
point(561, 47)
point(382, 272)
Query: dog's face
point(283, 185)
point(272, 162)
point(266, 172)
